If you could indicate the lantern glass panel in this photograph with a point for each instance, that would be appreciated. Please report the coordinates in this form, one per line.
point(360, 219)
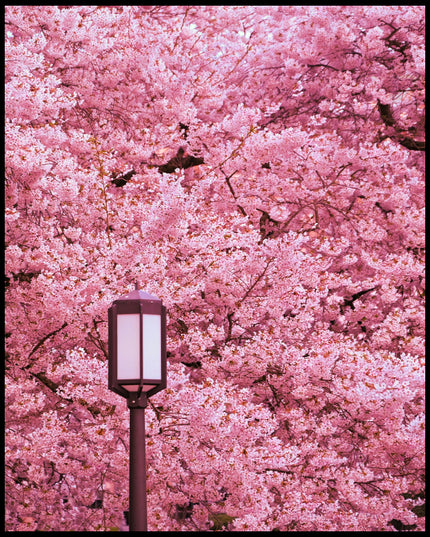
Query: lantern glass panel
point(151, 347)
point(137, 387)
point(128, 346)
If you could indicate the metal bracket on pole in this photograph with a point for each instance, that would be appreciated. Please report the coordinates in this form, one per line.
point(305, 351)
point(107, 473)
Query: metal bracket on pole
point(137, 400)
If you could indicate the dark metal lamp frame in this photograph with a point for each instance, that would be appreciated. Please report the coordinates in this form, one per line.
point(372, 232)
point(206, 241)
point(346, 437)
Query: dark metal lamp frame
point(141, 303)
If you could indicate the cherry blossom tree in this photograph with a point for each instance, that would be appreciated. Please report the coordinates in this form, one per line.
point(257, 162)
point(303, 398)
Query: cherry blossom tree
point(260, 169)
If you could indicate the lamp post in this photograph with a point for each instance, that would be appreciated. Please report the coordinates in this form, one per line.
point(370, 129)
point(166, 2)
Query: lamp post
point(137, 370)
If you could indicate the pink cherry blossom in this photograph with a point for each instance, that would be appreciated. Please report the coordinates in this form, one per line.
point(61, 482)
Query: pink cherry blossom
point(261, 170)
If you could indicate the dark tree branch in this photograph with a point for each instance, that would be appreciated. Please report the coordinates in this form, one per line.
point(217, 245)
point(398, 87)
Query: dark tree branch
point(406, 141)
point(42, 341)
point(123, 179)
point(269, 226)
point(386, 114)
point(355, 296)
point(227, 180)
point(413, 145)
point(181, 160)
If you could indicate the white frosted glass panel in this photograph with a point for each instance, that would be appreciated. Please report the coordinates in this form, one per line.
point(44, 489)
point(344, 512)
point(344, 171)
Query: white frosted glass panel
point(151, 346)
point(128, 346)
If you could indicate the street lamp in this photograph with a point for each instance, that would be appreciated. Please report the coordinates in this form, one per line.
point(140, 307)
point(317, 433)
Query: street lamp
point(137, 370)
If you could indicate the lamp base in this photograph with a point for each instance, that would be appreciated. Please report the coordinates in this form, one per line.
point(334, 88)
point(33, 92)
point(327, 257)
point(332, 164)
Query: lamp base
point(137, 400)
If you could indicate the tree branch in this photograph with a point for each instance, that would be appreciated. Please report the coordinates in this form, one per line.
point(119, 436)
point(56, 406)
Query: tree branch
point(406, 141)
point(227, 180)
point(42, 341)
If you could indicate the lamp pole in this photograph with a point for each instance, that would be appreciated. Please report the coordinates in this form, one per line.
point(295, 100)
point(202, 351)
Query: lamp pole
point(137, 483)
point(137, 370)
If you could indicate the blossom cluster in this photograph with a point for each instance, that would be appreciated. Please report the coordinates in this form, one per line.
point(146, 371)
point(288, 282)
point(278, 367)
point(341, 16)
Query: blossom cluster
point(289, 254)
